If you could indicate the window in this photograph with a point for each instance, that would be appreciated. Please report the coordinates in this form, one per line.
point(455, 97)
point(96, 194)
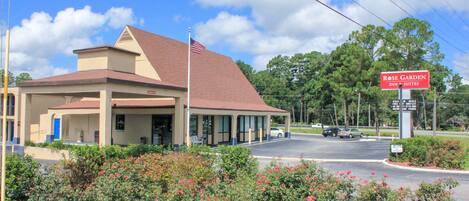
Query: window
point(120, 122)
point(224, 124)
point(207, 125)
point(194, 123)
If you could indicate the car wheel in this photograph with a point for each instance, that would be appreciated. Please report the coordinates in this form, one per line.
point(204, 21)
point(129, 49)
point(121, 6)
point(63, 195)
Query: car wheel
point(350, 136)
point(279, 135)
point(341, 137)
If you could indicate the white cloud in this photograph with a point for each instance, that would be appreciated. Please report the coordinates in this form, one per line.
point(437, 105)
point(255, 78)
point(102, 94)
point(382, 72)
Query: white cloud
point(41, 36)
point(461, 65)
point(287, 27)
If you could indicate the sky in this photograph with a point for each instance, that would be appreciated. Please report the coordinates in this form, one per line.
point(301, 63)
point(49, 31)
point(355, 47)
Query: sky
point(44, 33)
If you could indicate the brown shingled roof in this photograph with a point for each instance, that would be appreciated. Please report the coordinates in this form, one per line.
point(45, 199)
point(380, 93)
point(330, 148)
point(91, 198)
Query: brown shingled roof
point(216, 81)
point(99, 76)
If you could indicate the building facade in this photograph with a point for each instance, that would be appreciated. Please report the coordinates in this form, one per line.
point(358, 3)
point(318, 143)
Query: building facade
point(135, 92)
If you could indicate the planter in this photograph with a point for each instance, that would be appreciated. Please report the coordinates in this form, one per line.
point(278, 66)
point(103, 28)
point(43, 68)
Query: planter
point(46, 153)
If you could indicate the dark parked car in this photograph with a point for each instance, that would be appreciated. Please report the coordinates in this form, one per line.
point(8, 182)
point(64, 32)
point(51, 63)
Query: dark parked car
point(333, 131)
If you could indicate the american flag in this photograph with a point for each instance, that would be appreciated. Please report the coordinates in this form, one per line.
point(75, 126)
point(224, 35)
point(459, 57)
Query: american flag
point(196, 47)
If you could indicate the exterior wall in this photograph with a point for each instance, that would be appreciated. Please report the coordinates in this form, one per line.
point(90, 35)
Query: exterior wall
point(121, 61)
point(92, 60)
point(142, 65)
point(39, 106)
point(136, 126)
point(106, 59)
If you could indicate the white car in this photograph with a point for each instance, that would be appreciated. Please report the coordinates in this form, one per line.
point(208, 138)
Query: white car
point(276, 132)
point(319, 125)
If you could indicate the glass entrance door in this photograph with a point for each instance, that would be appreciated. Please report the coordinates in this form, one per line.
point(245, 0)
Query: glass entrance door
point(161, 129)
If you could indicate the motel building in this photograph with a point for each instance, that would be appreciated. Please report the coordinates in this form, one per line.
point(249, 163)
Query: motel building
point(135, 92)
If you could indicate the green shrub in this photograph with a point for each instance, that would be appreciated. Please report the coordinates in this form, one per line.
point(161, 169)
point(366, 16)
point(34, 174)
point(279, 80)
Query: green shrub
point(380, 190)
point(305, 181)
point(122, 180)
point(20, 172)
point(141, 149)
point(55, 185)
point(235, 160)
point(431, 151)
point(440, 190)
point(84, 165)
point(114, 152)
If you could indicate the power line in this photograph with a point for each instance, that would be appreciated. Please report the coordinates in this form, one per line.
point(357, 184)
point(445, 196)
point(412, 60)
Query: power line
point(372, 13)
point(444, 19)
point(455, 13)
point(436, 34)
point(343, 15)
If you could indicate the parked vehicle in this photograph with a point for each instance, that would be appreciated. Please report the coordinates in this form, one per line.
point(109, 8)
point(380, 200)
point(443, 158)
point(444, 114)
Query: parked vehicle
point(276, 132)
point(319, 125)
point(350, 133)
point(333, 132)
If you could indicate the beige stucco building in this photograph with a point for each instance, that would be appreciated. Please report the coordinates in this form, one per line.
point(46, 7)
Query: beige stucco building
point(135, 91)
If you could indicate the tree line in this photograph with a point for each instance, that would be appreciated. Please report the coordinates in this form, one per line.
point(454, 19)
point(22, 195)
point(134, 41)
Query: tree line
point(342, 87)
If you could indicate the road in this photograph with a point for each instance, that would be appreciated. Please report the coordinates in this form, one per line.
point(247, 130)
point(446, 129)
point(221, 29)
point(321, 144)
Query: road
point(318, 147)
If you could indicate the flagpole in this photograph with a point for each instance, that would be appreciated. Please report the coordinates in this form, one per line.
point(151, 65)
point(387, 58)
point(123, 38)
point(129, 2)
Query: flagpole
point(188, 116)
point(5, 98)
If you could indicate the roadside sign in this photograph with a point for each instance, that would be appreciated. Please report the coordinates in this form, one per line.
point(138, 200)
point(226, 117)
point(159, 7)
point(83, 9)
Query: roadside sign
point(407, 105)
point(408, 79)
point(397, 148)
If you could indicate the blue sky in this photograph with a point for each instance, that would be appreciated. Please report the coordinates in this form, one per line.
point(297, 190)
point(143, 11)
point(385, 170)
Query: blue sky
point(253, 31)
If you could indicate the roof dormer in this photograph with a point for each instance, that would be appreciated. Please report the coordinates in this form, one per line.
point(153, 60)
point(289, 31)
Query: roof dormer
point(106, 57)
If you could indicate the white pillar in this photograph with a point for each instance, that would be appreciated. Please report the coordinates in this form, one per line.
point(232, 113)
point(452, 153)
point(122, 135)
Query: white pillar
point(406, 117)
point(105, 117)
point(178, 132)
point(267, 126)
point(25, 118)
point(234, 121)
point(287, 125)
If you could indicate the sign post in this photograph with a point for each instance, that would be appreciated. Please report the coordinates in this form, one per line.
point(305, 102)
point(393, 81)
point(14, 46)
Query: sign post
point(404, 82)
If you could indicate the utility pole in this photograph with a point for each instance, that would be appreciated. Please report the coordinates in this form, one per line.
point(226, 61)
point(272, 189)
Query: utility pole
point(358, 109)
point(369, 115)
point(434, 113)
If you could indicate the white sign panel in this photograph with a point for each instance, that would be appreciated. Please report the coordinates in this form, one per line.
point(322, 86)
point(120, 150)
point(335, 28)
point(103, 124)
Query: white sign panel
point(397, 148)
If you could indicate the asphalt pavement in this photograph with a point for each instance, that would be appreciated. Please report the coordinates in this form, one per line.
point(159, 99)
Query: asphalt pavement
point(318, 147)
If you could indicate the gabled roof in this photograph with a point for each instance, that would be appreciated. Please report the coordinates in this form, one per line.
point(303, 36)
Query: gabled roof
point(99, 76)
point(216, 81)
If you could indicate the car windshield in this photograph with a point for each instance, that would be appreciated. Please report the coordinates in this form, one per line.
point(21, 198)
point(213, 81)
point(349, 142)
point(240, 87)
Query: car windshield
point(274, 129)
point(354, 129)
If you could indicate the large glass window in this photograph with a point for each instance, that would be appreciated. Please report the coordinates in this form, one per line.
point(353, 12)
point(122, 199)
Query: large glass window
point(208, 125)
point(224, 126)
point(194, 122)
point(120, 122)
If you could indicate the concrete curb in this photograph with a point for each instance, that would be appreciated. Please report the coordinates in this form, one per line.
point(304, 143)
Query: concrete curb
point(320, 160)
point(246, 144)
point(385, 162)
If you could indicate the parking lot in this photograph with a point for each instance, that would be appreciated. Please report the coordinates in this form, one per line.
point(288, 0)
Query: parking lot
point(361, 156)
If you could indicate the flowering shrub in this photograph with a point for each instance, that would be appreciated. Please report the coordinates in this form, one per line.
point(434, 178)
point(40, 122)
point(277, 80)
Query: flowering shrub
point(440, 190)
point(431, 151)
point(305, 181)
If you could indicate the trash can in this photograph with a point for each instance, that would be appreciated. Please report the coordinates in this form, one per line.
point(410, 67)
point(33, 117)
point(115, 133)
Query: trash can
point(143, 140)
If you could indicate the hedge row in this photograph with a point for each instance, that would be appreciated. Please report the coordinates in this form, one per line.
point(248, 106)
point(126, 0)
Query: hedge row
point(431, 151)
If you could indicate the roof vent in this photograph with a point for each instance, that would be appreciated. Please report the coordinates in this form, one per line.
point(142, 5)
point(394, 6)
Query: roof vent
point(125, 36)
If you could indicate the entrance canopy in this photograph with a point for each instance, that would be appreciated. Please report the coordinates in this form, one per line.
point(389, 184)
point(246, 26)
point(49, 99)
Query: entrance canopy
point(104, 84)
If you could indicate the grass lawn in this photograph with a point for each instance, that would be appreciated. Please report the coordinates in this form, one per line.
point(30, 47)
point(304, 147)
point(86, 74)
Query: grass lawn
point(319, 131)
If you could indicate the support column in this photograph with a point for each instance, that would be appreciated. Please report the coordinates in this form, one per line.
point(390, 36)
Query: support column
point(287, 126)
point(25, 118)
point(16, 121)
point(200, 125)
point(105, 117)
point(268, 122)
point(234, 128)
point(406, 117)
point(178, 132)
